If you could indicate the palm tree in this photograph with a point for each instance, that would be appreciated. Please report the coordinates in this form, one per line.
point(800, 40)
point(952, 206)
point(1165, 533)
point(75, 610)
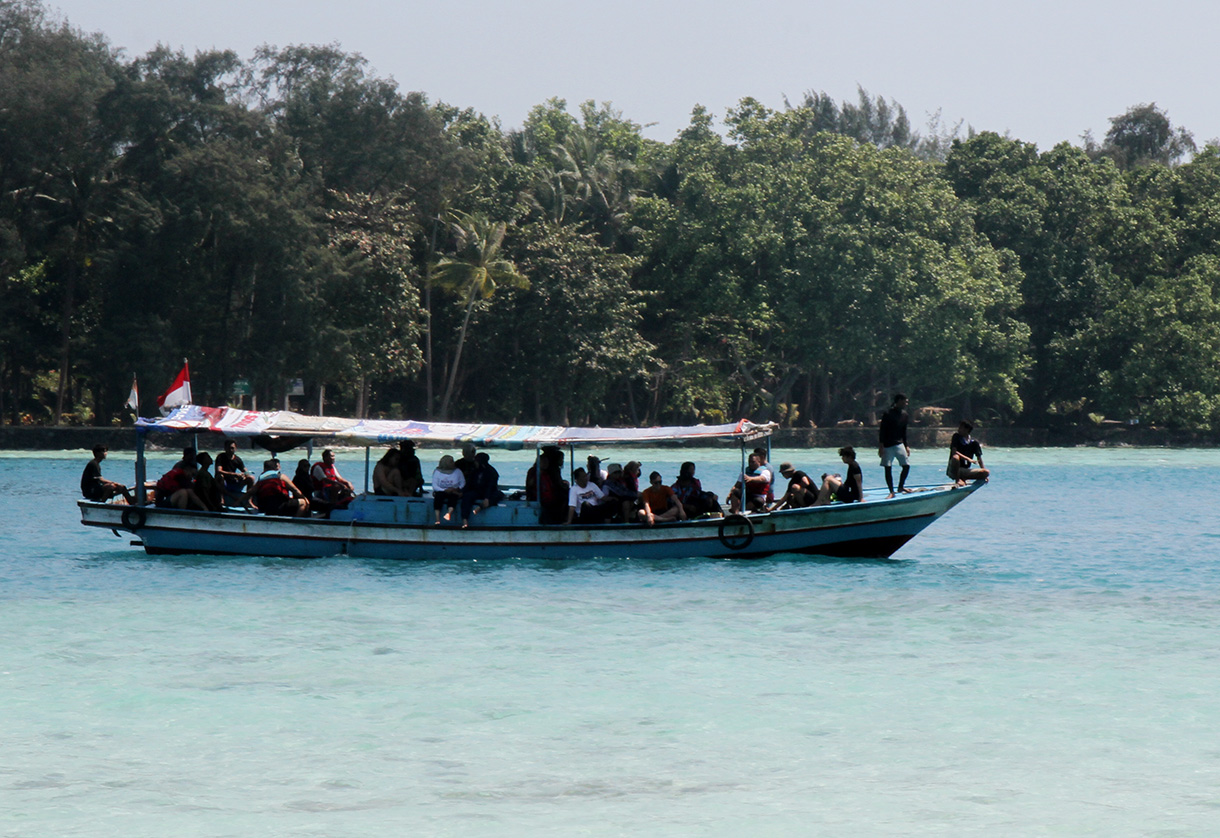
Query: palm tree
point(596, 179)
point(474, 273)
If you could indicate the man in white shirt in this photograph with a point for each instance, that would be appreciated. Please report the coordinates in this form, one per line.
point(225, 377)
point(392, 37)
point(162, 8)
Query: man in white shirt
point(584, 499)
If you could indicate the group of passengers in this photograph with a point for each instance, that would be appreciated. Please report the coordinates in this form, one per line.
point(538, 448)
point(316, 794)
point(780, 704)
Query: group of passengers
point(613, 494)
point(470, 484)
point(467, 485)
point(190, 484)
point(758, 479)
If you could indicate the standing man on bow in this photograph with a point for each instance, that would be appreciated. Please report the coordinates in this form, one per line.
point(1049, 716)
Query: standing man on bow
point(892, 444)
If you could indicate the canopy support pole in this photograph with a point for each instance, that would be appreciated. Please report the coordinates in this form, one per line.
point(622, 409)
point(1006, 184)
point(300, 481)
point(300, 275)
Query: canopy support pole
point(366, 469)
point(741, 481)
point(141, 469)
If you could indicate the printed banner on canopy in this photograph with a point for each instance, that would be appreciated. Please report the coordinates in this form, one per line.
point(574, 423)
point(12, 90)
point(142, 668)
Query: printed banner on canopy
point(236, 422)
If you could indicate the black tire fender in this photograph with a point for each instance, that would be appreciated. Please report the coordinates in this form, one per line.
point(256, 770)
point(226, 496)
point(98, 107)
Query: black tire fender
point(736, 542)
point(134, 517)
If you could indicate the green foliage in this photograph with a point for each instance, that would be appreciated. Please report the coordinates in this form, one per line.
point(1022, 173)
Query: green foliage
point(473, 274)
point(1169, 334)
point(562, 348)
point(1144, 136)
point(370, 290)
point(787, 255)
point(295, 215)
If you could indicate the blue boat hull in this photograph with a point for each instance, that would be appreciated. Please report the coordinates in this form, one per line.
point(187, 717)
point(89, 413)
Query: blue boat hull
point(400, 529)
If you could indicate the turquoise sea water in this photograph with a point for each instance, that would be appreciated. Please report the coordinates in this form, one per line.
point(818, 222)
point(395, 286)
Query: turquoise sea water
point(1043, 661)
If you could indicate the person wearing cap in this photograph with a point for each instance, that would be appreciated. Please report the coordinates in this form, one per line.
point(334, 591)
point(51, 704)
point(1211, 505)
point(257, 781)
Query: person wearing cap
point(447, 485)
point(965, 452)
point(801, 491)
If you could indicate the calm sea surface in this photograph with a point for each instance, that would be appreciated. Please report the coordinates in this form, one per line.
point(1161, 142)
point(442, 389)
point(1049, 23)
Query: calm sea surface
point(1045, 660)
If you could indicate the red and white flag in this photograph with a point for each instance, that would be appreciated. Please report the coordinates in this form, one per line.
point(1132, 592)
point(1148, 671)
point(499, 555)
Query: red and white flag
point(133, 400)
point(178, 394)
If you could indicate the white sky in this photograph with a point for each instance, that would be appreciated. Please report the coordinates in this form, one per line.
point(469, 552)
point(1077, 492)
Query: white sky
point(1042, 71)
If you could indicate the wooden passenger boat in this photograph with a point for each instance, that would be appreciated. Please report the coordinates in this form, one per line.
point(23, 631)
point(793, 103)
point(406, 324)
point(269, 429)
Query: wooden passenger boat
point(380, 527)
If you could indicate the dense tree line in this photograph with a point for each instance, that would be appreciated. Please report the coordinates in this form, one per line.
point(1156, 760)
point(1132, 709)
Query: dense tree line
point(293, 216)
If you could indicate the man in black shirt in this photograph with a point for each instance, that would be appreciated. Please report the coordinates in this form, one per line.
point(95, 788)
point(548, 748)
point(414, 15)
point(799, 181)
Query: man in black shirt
point(849, 489)
point(410, 469)
point(892, 444)
point(234, 479)
point(97, 488)
point(965, 453)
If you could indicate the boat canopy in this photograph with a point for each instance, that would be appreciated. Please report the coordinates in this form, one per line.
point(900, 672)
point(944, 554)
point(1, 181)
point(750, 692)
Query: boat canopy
point(284, 423)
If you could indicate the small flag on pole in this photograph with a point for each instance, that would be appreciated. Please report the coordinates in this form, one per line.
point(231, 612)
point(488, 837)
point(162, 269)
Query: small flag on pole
point(178, 394)
point(133, 400)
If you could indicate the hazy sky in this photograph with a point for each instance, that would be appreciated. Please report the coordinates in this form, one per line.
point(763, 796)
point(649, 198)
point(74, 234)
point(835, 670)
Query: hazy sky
point(1042, 70)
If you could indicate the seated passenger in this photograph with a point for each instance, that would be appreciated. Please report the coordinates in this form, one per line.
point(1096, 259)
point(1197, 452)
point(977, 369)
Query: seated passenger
point(964, 453)
point(97, 488)
point(328, 486)
point(659, 502)
point(410, 470)
point(757, 482)
point(801, 491)
point(597, 476)
point(483, 489)
point(302, 480)
point(466, 463)
point(274, 494)
point(235, 481)
point(551, 487)
point(447, 485)
point(175, 489)
point(621, 498)
point(584, 500)
point(207, 486)
point(847, 490)
point(386, 478)
point(765, 463)
point(690, 492)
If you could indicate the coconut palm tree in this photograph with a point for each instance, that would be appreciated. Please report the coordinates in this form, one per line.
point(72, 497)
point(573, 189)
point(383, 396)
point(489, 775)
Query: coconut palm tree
point(474, 272)
point(596, 179)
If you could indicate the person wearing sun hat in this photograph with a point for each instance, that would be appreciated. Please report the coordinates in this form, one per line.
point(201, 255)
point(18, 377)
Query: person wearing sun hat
point(447, 485)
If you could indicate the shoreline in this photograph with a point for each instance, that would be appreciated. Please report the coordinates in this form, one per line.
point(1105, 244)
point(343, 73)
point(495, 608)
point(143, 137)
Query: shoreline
point(83, 438)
